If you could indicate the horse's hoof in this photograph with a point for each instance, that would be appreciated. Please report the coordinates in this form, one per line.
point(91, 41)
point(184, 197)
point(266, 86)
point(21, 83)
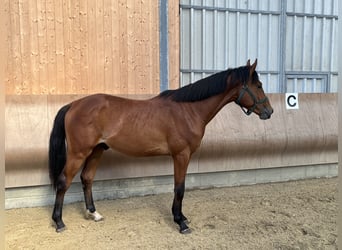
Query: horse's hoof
point(99, 219)
point(60, 226)
point(185, 231)
point(60, 229)
point(95, 216)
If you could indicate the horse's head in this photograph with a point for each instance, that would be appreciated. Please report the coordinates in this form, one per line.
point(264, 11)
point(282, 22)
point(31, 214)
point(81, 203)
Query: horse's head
point(251, 96)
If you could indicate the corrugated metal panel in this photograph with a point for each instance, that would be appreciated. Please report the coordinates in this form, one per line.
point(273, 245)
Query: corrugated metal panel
point(311, 45)
point(216, 35)
point(289, 38)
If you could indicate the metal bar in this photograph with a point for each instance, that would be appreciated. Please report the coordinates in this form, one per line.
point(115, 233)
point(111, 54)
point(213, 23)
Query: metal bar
point(259, 35)
point(191, 42)
point(203, 38)
point(181, 37)
point(332, 48)
point(322, 45)
point(164, 46)
point(269, 40)
point(222, 9)
point(247, 33)
point(215, 43)
point(258, 31)
point(307, 74)
point(304, 42)
point(237, 45)
point(293, 42)
point(211, 71)
point(313, 6)
point(226, 40)
point(333, 6)
point(298, 14)
point(247, 38)
point(313, 44)
point(323, 36)
point(327, 85)
point(282, 45)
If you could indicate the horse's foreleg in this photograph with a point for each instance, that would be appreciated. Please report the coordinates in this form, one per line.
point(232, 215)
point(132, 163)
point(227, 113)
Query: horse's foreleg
point(63, 183)
point(181, 162)
point(87, 177)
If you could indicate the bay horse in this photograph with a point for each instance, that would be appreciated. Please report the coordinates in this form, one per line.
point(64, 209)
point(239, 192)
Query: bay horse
point(171, 123)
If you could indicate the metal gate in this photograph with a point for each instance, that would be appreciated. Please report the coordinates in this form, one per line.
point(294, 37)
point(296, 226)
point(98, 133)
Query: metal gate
point(295, 41)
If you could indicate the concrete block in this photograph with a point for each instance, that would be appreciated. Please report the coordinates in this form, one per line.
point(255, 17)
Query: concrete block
point(115, 189)
point(296, 173)
point(268, 175)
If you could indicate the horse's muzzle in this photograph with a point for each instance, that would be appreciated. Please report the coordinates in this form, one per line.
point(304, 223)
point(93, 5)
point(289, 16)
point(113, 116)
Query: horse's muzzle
point(266, 114)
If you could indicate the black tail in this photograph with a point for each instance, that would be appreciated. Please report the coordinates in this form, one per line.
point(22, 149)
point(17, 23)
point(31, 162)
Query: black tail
point(57, 147)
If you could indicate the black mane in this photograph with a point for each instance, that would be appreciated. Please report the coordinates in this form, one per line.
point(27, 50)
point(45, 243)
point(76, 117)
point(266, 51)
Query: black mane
point(209, 86)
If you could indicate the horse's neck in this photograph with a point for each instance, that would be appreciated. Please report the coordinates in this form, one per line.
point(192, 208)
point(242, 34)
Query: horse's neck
point(208, 108)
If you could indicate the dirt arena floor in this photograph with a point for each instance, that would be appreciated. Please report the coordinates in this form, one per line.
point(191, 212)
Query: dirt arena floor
point(292, 215)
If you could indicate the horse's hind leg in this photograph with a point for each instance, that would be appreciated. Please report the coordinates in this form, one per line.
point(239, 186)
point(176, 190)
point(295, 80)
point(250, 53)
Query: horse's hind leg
point(63, 183)
point(87, 177)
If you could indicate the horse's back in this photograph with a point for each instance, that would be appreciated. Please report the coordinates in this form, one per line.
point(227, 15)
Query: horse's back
point(96, 100)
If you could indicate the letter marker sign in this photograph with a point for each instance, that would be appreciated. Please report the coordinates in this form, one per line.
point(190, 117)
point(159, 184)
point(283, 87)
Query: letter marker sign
point(291, 101)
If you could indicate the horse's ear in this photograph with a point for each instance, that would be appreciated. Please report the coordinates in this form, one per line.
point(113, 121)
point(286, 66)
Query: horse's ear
point(248, 63)
point(253, 67)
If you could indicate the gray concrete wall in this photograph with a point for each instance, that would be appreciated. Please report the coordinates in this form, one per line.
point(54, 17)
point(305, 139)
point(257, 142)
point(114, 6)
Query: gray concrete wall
point(123, 188)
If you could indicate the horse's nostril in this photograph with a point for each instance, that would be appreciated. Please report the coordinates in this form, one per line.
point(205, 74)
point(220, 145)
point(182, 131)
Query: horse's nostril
point(266, 114)
point(269, 111)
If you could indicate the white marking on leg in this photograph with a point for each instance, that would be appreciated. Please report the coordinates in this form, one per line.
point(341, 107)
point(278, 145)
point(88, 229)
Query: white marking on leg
point(95, 216)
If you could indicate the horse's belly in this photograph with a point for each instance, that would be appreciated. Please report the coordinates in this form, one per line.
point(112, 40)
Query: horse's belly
point(137, 147)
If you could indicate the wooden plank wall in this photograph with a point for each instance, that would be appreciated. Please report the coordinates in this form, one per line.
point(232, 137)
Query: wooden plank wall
point(87, 46)
point(174, 45)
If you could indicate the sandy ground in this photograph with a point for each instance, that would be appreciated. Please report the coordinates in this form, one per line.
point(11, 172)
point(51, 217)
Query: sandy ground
point(293, 215)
